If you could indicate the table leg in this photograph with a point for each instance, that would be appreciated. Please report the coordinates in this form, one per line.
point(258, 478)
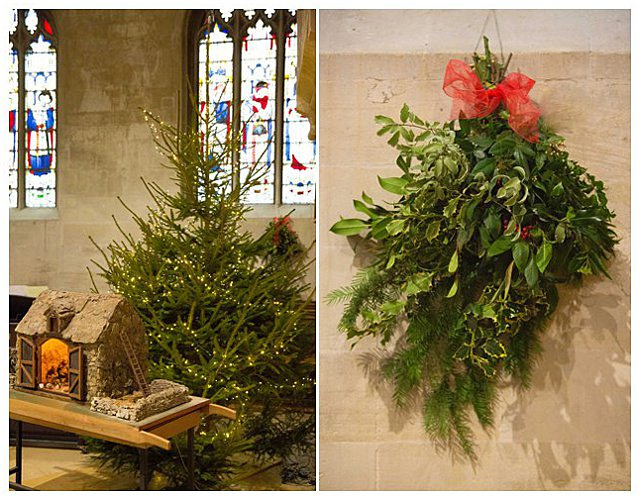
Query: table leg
point(17, 469)
point(190, 458)
point(144, 468)
point(19, 452)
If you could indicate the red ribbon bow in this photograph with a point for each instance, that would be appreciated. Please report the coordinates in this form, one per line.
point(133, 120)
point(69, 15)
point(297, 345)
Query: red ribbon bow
point(472, 100)
point(278, 224)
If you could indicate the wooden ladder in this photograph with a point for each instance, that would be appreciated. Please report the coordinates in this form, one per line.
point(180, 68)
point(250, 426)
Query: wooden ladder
point(138, 374)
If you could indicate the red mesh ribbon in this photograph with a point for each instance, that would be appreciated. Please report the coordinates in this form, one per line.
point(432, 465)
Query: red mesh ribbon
point(472, 100)
point(278, 224)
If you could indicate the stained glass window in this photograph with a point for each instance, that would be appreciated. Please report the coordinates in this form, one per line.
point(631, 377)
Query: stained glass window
point(13, 126)
point(32, 110)
point(246, 60)
point(298, 169)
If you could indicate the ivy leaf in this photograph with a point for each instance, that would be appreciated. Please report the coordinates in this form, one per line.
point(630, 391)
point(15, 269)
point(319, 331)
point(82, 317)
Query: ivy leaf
point(487, 312)
point(394, 185)
point(395, 226)
point(494, 348)
point(483, 363)
point(531, 272)
point(521, 255)
point(453, 263)
point(451, 207)
point(371, 316)
point(454, 288)
point(499, 246)
point(544, 256)
point(558, 190)
point(560, 233)
point(349, 227)
point(419, 282)
point(433, 229)
point(393, 308)
point(463, 352)
point(451, 165)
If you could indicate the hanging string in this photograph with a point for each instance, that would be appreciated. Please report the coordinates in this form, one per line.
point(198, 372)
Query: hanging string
point(482, 31)
point(491, 13)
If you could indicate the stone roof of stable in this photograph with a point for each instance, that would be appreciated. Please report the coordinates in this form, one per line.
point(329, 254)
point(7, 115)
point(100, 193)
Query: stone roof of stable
point(89, 314)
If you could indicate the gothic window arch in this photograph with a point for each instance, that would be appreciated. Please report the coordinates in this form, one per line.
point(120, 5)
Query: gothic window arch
point(246, 60)
point(33, 107)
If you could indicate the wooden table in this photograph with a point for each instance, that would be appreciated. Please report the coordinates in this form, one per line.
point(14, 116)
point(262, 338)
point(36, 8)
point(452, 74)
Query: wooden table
point(75, 417)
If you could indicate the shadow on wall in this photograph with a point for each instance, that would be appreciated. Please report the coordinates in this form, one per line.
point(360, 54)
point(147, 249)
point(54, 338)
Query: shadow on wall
point(578, 406)
point(581, 386)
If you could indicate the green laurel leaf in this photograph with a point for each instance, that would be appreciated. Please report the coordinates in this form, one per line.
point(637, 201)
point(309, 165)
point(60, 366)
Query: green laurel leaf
point(521, 255)
point(544, 256)
point(531, 273)
point(499, 246)
point(349, 227)
point(395, 185)
point(453, 263)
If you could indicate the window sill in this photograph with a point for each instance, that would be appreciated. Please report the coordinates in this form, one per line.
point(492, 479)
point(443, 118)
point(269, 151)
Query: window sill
point(269, 211)
point(32, 214)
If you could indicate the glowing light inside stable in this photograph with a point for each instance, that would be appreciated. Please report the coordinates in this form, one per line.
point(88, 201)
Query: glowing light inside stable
point(54, 366)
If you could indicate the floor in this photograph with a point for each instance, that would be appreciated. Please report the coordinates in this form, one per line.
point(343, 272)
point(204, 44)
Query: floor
point(53, 469)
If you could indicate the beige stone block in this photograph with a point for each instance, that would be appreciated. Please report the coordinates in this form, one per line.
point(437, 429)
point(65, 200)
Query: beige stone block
point(449, 31)
point(543, 66)
point(339, 68)
point(346, 466)
point(610, 66)
point(410, 465)
point(29, 252)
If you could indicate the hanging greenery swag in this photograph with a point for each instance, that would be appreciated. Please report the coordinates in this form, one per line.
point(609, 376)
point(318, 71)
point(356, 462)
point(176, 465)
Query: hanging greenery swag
point(490, 217)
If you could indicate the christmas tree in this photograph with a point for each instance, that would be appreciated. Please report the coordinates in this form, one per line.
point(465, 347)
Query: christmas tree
point(224, 311)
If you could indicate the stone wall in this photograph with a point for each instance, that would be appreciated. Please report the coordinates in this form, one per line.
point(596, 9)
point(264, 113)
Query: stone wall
point(108, 371)
point(111, 63)
point(572, 429)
